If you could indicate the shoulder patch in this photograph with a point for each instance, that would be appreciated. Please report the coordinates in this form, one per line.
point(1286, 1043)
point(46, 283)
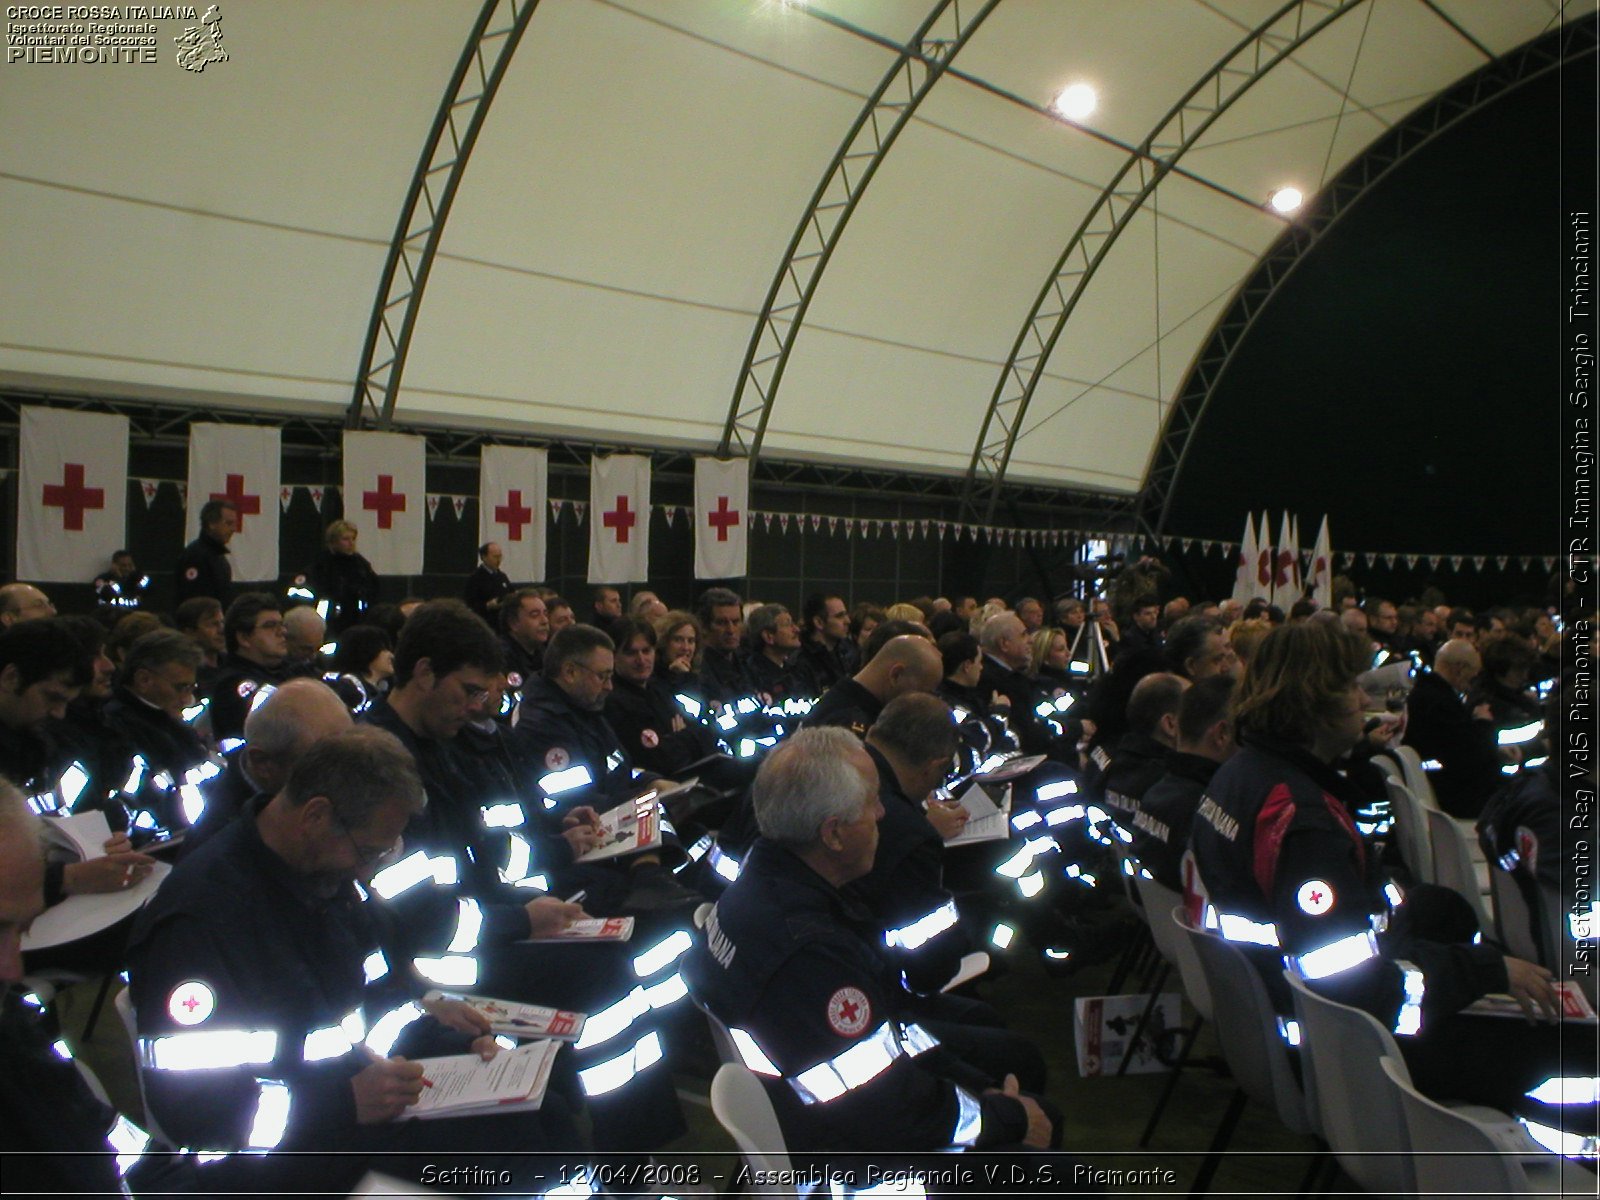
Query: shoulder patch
point(649, 739)
point(514, 679)
point(556, 758)
point(246, 687)
point(1315, 897)
point(849, 1012)
point(191, 1003)
point(192, 573)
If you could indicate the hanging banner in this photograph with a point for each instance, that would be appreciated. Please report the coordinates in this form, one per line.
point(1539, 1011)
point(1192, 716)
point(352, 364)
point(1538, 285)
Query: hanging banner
point(239, 464)
point(721, 505)
point(619, 535)
point(385, 498)
point(72, 493)
point(1321, 580)
point(513, 487)
point(1244, 582)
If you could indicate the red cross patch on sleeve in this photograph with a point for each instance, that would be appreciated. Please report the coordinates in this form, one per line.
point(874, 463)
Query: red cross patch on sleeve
point(849, 1012)
point(556, 758)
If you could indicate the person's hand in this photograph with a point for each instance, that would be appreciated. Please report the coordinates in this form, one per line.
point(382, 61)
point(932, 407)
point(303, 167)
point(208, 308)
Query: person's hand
point(548, 916)
point(1038, 1135)
point(1483, 712)
point(118, 843)
point(385, 1088)
point(1089, 728)
point(485, 1047)
point(681, 665)
point(947, 818)
point(582, 815)
point(581, 839)
point(678, 723)
point(1533, 987)
point(112, 873)
point(457, 1015)
point(1000, 700)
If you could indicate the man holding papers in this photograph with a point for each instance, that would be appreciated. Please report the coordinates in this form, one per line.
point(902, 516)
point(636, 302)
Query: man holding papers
point(269, 995)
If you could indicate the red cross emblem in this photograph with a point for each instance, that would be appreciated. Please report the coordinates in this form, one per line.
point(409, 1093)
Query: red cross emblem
point(513, 514)
point(385, 501)
point(191, 1003)
point(621, 520)
point(1314, 897)
point(849, 1012)
point(723, 518)
point(245, 504)
point(72, 497)
point(556, 758)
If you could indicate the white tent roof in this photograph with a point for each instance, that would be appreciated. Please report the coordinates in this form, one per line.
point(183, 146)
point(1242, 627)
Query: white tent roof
point(219, 236)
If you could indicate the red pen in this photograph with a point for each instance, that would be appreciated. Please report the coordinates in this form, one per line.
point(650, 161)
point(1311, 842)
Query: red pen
point(426, 1082)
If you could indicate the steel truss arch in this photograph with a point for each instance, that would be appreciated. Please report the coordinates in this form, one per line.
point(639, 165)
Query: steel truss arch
point(490, 45)
point(1553, 51)
point(1270, 43)
point(917, 67)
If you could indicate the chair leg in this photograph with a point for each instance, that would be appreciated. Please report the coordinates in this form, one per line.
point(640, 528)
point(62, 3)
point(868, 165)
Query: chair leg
point(99, 1004)
point(1319, 1163)
point(1144, 1020)
point(1125, 964)
point(1219, 1143)
point(1172, 1083)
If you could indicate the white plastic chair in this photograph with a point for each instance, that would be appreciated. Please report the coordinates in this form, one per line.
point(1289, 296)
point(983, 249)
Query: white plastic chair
point(124, 1006)
point(1411, 827)
point(1513, 921)
point(1455, 1155)
point(745, 1110)
point(1415, 777)
point(1452, 863)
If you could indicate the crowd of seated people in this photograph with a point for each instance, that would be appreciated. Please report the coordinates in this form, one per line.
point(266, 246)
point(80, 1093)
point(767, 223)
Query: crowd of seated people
point(343, 815)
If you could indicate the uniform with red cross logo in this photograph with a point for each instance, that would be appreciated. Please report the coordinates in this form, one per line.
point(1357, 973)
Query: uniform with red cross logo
point(789, 962)
point(203, 570)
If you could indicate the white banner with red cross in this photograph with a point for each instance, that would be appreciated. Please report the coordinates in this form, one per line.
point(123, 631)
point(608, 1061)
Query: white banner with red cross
point(72, 494)
point(385, 498)
point(239, 464)
point(513, 485)
point(619, 519)
point(721, 507)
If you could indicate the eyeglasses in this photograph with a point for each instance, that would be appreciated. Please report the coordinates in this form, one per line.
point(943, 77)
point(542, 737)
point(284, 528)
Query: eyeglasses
point(371, 856)
point(600, 676)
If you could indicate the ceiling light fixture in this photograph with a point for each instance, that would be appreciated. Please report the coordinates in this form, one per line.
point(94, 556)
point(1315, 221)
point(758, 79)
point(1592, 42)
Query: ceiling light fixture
point(1286, 199)
point(1075, 102)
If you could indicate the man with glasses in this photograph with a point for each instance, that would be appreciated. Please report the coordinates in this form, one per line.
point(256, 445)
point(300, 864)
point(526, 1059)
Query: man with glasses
point(273, 997)
point(23, 602)
point(147, 713)
point(258, 657)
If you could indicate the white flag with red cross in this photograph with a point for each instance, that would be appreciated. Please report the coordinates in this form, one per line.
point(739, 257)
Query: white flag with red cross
point(513, 485)
point(239, 464)
point(385, 498)
point(72, 494)
point(721, 500)
point(619, 519)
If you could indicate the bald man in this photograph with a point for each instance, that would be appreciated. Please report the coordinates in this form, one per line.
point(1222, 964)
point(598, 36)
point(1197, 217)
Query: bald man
point(1457, 744)
point(279, 729)
point(906, 665)
point(1006, 654)
point(23, 602)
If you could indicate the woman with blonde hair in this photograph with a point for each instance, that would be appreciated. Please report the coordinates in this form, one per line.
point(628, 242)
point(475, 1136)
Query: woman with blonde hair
point(341, 578)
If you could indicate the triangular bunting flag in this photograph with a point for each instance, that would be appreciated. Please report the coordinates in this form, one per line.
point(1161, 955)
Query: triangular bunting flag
point(924, 525)
point(783, 522)
point(940, 527)
point(766, 521)
point(1455, 562)
point(285, 498)
point(555, 509)
point(579, 507)
point(1433, 562)
point(1185, 543)
point(669, 511)
point(316, 497)
point(1525, 562)
point(1370, 558)
point(1388, 560)
point(183, 494)
point(433, 505)
point(461, 505)
point(1411, 560)
point(833, 526)
point(1502, 560)
point(816, 522)
point(1478, 560)
point(1549, 563)
point(148, 489)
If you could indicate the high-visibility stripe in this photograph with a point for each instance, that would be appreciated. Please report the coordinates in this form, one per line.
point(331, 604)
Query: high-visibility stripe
point(469, 924)
point(508, 815)
point(1235, 928)
point(1572, 1089)
point(1408, 1022)
point(375, 966)
point(129, 1141)
point(1520, 734)
point(210, 1049)
point(556, 782)
point(334, 1041)
point(450, 970)
point(614, 1073)
point(518, 861)
point(271, 1118)
point(752, 1055)
point(926, 927)
point(1559, 1141)
point(969, 1119)
point(411, 870)
point(1336, 957)
point(385, 1031)
point(663, 953)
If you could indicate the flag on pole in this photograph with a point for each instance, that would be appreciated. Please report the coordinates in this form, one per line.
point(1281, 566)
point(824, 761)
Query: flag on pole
point(1244, 575)
point(1296, 579)
point(385, 498)
point(239, 464)
point(721, 502)
point(72, 494)
point(1322, 569)
point(1283, 593)
point(1264, 559)
point(619, 525)
point(513, 486)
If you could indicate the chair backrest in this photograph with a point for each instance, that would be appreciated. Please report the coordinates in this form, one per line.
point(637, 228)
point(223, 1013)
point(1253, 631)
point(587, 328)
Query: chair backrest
point(1416, 778)
point(745, 1110)
point(1411, 826)
point(1247, 1026)
point(1389, 765)
point(1452, 862)
point(1513, 920)
point(1451, 1154)
point(1359, 1110)
point(124, 1006)
point(1127, 871)
point(1159, 901)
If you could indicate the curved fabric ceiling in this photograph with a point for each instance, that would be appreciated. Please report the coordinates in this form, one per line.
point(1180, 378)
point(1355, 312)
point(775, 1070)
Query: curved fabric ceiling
point(221, 235)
